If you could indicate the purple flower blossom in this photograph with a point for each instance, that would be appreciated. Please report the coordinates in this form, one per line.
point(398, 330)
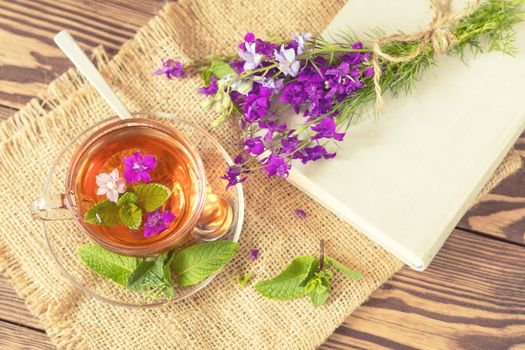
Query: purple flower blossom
point(233, 173)
point(157, 221)
point(287, 63)
point(238, 66)
point(290, 143)
point(254, 254)
point(256, 103)
point(171, 68)
point(249, 37)
point(251, 58)
point(275, 164)
point(368, 72)
point(271, 128)
point(301, 40)
point(138, 167)
point(211, 89)
point(327, 129)
point(300, 213)
point(313, 153)
point(254, 145)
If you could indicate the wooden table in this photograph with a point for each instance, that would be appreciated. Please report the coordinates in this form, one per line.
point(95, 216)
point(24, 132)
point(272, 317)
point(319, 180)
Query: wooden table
point(471, 297)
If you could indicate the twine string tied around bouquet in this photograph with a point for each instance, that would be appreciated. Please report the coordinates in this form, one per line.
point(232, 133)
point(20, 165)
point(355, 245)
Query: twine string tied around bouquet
point(438, 34)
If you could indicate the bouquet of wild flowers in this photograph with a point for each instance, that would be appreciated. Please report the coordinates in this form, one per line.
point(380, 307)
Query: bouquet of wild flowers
point(328, 84)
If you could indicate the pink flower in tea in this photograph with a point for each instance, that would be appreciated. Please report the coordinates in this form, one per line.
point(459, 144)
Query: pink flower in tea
point(110, 184)
point(138, 167)
point(157, 222)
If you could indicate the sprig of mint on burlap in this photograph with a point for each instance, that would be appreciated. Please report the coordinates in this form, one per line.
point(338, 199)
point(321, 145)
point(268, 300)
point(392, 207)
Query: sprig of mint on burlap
point(305, 275)
point(154, 275)
point(130, 207)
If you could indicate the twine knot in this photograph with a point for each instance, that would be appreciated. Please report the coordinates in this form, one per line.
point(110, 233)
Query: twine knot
point(439, 35)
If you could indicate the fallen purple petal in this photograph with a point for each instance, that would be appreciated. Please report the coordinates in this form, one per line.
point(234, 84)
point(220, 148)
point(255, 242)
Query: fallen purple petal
point(300, 213)
point(254, 254)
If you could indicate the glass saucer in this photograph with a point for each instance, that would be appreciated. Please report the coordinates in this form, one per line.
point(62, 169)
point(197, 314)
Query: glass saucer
point(63, 237)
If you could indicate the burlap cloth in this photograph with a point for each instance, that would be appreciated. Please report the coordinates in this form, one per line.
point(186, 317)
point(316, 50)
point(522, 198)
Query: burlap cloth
point(223, 316)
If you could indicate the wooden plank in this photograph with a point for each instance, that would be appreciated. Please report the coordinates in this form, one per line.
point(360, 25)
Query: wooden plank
point(471, 297)
point(501, 213)
point(13, 309)
point(14, 337)
point(27, 67)
point(6, 112)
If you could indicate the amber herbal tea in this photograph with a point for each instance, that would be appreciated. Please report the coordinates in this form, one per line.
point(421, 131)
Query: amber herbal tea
point(136, 186)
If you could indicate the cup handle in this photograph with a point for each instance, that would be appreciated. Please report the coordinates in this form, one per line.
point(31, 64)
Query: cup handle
point(216, 218)
point(51, 207)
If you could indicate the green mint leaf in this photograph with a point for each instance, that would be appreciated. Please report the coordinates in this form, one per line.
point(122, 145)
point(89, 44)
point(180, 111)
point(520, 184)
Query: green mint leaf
point(197, 262)
point(289, 283)
point(167, 287)
point(130, 215)
point(355, 275)
point(151, 196)
point(221, 69)
point(319, 296)
point(103, 213)
point(111, 265)
point(152, 274)
point(318, 286)
point(206, 76)
point(138, 278)
point(244, 279)
point(128, 197)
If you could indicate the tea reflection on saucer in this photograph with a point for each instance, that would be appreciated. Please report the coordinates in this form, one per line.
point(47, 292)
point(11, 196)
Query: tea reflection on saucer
point(216, 218)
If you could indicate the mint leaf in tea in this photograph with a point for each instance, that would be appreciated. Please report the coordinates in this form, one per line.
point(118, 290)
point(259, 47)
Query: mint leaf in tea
point(103, 213)
point(136, 185)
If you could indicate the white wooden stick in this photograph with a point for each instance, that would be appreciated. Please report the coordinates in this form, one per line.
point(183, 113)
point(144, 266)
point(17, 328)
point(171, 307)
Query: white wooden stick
point(68, 45)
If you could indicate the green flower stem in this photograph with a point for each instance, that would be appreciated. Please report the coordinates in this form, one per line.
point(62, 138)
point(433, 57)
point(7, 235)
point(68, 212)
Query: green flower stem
point(331, 49)
point(262, 69)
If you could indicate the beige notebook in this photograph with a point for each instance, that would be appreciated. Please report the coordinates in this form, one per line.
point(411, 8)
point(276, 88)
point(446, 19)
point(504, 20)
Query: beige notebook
point(406, 177)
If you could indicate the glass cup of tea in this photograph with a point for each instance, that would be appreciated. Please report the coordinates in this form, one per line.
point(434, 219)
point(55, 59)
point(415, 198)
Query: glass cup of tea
point(193, 209)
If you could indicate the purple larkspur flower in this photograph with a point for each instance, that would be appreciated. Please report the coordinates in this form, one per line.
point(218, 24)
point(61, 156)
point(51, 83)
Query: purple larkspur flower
point(238, 66)
point(276, 165)
point(157, 221)
point(300, 213)
point(251, 58)
point(249, 37)
point(254, 254)
point(301, 40)
point(327, 129)
point(253, 145)
point(138, 167)
point(287, 63)
point(357, 45)
point(294, 95)
point(234, 172)
point(256, 103)
point(211, 89)
point(289, 143)
point(271, 128)
point(171, 69)
point(313, 153)
point(368, 72)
